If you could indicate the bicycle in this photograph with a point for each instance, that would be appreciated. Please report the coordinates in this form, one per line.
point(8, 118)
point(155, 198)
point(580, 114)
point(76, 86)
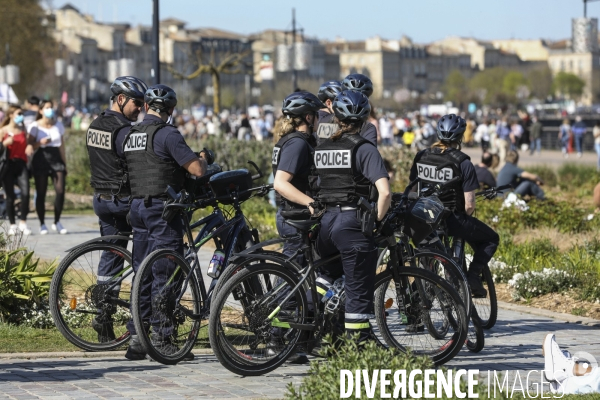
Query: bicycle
point(178, 307)
point(78, 300)
point(271, 292)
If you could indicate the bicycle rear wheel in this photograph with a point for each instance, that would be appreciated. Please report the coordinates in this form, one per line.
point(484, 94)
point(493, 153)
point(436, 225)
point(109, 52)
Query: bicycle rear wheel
point(437, 329)
point(245, 340)
point(167, 327)
point(487, 307)
point(475, 337)
point(92, 314)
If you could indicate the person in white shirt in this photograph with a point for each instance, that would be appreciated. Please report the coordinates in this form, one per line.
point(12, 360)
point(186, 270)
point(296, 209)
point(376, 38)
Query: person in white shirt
point(49, 161)
point(483, 134)
point(386, 131)
point(565, 373)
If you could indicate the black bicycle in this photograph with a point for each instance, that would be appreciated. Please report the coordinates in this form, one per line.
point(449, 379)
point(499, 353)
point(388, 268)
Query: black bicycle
point(270, 305)
point(174, 282)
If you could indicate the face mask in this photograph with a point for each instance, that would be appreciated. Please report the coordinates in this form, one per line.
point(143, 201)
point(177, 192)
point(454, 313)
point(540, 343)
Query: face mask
point(48, 113)
point(18, 119)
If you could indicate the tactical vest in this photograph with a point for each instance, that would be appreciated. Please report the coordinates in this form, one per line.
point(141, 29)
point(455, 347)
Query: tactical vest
point(149, 175)
point(428, 160)
point(306, 183)
point(109, 171)
point(325, 128)
point(341, 182)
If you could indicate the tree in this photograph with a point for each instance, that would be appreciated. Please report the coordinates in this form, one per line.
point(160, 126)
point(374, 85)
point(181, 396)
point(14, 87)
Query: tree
point(23, 26)
point(455, 87)
point(513, 81)
point(540, 82)
point(232, 63)
point(568, 84)
point(488, 84)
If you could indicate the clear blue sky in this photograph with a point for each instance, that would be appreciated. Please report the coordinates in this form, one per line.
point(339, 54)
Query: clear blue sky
point(423, 20)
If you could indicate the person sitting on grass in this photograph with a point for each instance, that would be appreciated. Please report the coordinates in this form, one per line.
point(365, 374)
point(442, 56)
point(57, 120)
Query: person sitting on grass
point(525, 183)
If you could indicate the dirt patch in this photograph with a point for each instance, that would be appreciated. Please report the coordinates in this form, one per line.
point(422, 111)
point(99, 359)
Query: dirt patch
point(559, 302)
point(563, 241)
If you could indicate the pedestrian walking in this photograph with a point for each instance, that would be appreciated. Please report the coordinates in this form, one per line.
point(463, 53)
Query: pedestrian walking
point(596, 133)
point(535, 135)
point(49, 161)
point(579, 129)
point(564, 136)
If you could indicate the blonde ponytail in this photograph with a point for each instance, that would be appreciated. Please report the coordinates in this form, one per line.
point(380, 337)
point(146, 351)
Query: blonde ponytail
point(285, 126)
point(350, 128)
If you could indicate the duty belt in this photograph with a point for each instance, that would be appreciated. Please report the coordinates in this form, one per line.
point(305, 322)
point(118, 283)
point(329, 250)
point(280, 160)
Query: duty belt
point(111, 197)
point(340, 207)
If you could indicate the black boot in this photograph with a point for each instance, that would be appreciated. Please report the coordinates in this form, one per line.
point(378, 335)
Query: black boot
point(135, 351)
point(477, 289)
point(105, 330)
point(167, 347)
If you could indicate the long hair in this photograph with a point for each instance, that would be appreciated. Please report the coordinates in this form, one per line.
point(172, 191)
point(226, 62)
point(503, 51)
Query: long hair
point(11, 110)
point(446, 145)
point(351, 128)
point(286, 126)
point(42, 104)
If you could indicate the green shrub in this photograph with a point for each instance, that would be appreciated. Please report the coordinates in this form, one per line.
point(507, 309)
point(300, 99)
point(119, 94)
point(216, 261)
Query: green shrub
point(578, 177)
point(401, 160)
point(546, 173)
point(78, 163)
point(534, 283)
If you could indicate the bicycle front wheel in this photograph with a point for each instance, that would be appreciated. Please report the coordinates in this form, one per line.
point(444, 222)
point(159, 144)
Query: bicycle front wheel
point(246, 338)
point(167, 306)
point(90, 313)
point(487, 307)
point(420, 312)
point(475, 338)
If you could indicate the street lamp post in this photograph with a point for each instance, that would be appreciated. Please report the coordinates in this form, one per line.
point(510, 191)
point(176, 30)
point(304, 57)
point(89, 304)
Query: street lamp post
point(155, 42)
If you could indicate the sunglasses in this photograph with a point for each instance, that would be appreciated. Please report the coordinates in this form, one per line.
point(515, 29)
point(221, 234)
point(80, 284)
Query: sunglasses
point(137, 103)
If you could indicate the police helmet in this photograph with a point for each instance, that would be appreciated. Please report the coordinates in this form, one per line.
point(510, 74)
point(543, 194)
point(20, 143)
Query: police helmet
point(329, 90)
point(359, 83)
point(130, 86)
point(301, 103)
point(450, 128)
point(351, 106)
point(160, 98)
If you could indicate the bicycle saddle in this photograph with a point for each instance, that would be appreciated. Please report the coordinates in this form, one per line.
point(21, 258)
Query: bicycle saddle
point(302, 226)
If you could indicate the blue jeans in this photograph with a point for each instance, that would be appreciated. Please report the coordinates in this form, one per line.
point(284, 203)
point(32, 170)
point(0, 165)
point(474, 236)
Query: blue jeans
point(530, 188)
point(536, 144)
point(579, 143)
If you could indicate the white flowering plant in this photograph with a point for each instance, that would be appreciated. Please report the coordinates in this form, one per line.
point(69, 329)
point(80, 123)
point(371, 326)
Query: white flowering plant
point(536, 283)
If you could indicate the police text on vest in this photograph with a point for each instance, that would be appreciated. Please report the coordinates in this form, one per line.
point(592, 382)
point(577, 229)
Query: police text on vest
point(429, 173)
point(136, 141)
point(275, 156)
point(326, 130)
point(100, 139)
point(333, 159)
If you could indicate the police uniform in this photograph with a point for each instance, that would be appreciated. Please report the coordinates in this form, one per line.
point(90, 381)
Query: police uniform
point(326, 127)
point(155, 152)
point(483, 239)
point(104, 141)
point(293, 153)
point(348, 169)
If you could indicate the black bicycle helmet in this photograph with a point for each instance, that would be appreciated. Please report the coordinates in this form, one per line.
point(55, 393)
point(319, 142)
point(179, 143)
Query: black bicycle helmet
point(130, 86)
point(450, 128)
point(351, 106)
point(160, 98)
point(329, 90)
point(301, 103)
point(359, 83)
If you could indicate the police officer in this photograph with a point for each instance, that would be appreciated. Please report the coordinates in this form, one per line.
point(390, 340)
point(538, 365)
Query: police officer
point(361, 83)
point(293, 165)
point(459, 196)
point(351, 168)
point(104, 141)
point(157, 156)
point(326, 94)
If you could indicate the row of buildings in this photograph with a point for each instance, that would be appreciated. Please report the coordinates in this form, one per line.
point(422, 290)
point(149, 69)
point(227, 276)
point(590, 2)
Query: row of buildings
point(399, 68)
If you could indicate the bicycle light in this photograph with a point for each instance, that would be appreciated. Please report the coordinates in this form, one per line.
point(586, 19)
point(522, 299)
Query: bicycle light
point(73, 303)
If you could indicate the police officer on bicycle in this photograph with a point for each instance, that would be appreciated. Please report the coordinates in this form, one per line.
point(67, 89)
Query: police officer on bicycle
point(293, 164)
point(361, 83)
point(104, 141)
point(157, 156)
point(441, 163)
point(351, 172)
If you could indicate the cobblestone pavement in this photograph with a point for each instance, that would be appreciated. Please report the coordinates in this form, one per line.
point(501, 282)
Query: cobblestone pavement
point(513, 344)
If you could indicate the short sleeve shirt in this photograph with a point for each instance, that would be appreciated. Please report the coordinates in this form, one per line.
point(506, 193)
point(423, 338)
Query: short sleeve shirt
point(485, 176)
point(370, 163)
point(369, 132)
point(121, 134)
point(55, 133)
point(169, 144)
point(467, 170)
point(294, 157)
point(509, 174)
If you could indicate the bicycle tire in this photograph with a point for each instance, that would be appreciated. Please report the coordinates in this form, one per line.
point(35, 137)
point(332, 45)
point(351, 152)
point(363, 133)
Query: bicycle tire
point(487, 308)
point(475, 337)
point(75, 293)
point(448, 300)
point(227, 337)
point(162, 317)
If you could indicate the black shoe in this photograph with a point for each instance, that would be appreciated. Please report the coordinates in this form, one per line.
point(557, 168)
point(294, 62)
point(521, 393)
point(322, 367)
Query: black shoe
point(135, 351)
point(300, 357)
point(274, 346)
point(415, 328)
point(166, 347)
point(104, 329)
point(477, 289)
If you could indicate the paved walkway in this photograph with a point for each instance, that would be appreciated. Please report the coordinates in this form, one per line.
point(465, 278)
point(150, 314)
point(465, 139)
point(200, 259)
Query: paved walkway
point(552, 158)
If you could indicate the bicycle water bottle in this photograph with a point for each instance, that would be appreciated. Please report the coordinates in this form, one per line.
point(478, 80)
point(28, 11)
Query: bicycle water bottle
point(216, 263)
point(457, 245)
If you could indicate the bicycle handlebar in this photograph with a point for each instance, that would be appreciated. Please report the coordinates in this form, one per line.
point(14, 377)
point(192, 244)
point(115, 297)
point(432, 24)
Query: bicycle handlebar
point(491, 192)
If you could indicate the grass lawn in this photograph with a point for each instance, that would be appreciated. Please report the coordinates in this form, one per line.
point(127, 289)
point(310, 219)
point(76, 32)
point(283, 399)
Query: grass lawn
point(20, 339)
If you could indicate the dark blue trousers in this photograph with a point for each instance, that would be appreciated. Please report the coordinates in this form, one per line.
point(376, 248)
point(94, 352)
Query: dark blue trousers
point(151, 232)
